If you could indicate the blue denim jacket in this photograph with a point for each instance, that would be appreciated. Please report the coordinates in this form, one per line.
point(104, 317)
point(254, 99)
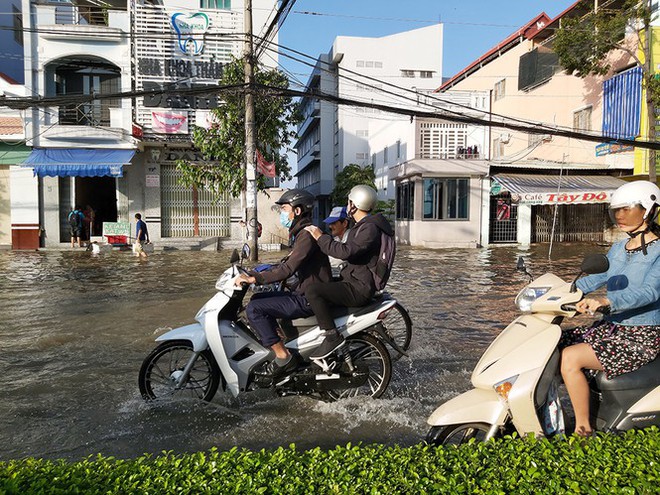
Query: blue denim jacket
point(633, 285)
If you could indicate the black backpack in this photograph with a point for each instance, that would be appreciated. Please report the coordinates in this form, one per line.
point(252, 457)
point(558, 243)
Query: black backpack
point(381, 272)
point(74, 219)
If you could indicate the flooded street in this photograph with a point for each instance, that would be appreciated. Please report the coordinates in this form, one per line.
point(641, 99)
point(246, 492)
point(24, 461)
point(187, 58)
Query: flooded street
point(75, 329)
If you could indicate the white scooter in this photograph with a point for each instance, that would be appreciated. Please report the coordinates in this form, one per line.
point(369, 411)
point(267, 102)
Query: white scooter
point(513, 377)
point(220, 348)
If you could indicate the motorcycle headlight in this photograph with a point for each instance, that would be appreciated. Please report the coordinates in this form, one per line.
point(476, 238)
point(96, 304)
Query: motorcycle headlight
point(527, 296)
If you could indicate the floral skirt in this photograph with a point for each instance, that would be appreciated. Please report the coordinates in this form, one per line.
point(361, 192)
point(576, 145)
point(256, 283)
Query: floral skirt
point(619, 348)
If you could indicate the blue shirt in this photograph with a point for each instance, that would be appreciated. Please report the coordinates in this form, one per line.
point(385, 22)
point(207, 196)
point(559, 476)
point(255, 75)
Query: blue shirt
point(141, 226)
point(633, 285)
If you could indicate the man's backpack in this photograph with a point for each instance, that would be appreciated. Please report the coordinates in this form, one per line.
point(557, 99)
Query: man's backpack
point(74, 219)
point(383, 268)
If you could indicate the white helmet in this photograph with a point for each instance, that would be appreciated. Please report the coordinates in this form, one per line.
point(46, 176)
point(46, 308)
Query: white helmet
point(640, 192)
point(363, 197)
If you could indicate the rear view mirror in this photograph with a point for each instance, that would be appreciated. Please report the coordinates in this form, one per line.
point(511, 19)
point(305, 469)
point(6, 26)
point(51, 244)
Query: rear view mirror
point(245, 252)
point(595, 263)
point(234, 257)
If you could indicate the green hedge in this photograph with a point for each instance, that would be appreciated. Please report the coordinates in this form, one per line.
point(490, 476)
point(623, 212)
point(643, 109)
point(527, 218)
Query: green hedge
point(627, 463)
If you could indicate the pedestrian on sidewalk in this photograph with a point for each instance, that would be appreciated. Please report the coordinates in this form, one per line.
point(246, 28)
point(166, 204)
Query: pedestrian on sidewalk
point(141, 236)
point(75, 219)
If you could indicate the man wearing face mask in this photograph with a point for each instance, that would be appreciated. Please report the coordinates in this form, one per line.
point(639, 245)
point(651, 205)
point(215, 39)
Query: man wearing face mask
point(361, 250)
point(306, 261)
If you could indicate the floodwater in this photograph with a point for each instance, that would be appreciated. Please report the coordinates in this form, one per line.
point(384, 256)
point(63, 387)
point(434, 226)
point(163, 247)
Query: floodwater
point(75, 328)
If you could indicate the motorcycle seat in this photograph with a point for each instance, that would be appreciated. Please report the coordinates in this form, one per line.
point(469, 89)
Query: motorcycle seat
point(337, 311)
point(648, 376)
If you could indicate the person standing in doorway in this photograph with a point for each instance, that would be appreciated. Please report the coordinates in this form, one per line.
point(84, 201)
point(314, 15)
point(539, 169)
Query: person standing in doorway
point(75, 219)
point(141, 236)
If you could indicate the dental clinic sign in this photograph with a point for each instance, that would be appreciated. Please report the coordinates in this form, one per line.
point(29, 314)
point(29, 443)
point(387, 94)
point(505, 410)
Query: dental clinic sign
point(190, 30)
point(567, 198)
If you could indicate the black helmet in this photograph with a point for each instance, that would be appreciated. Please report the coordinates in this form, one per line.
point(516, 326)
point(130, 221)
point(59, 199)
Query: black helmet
point(297, 197)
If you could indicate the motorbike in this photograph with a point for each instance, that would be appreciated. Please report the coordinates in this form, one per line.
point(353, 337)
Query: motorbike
point(221, 350)
point(515, 377)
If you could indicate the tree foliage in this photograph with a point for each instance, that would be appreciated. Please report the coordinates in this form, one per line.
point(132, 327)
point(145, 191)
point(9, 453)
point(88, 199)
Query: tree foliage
point(223, 145)
point(583, 43)
point(352, 175)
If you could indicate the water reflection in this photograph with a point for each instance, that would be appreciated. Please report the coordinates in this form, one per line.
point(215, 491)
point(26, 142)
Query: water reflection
point(76, 328)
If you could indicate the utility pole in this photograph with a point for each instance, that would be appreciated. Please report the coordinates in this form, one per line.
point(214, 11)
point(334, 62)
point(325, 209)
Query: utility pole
point(250, 138)
point(650, 74)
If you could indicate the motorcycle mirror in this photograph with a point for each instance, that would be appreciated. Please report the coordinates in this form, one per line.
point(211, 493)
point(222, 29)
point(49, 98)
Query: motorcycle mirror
point(245, 252)
point(234, 257)
point(592, 263)
point(595, 263)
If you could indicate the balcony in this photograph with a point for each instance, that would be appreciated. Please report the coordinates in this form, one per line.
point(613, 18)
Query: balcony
point(92, 22)
point(459, 153)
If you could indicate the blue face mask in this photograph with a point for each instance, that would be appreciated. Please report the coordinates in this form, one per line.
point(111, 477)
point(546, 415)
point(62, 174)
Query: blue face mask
point(285, 220)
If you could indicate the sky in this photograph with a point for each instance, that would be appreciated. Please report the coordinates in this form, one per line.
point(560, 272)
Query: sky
point(471, 27)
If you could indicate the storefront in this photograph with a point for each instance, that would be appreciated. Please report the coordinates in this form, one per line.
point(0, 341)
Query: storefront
point(89, 178)
point(527, 208)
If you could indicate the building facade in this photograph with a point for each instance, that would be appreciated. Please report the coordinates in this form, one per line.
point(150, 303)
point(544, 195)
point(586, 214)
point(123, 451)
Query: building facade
point(545, 186)
point(391, 70)
point(118, 154)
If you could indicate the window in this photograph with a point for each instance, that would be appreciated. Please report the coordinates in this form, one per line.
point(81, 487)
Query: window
point(363, 133)
point(405, 201)
point(582, 119)
point(361, 156)
point(18, 25)
point(446, 199)
point(215, 4)
point(359, 63)
point(385, 155)
point(425, 74)
point(398, 149)
point(500, 90)
point(407, 73)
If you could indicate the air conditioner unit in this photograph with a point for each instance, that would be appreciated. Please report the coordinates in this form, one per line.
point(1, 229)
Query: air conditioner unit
point(505, 138)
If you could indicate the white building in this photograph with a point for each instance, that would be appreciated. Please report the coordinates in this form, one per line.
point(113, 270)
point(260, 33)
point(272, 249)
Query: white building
point(389, 71)
point(118, 154)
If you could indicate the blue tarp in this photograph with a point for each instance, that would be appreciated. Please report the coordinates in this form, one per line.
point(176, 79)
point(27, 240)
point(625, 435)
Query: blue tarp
point(76, 162)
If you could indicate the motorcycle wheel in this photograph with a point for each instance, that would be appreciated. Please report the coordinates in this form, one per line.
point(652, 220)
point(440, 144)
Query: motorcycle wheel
point(161, 367)
point(368, 351)
point(457, 434)
point(398, 327)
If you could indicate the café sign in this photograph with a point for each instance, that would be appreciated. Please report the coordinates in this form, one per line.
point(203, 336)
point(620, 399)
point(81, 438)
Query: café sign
point(563, 198)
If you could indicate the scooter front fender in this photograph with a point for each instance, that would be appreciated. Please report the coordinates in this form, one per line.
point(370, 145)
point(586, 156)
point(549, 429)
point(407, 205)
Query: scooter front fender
point(474, 406)
point(193, 333)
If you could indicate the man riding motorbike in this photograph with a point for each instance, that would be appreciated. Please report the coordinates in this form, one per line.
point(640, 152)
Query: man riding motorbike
point(306, 261)
point(361, 250)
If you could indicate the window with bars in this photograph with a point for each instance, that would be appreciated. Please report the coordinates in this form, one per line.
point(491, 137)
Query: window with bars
point(499, 90)
point(582, 119)
point(446, 199)
point(405, 201)
point(407, 73)
point(441, 141)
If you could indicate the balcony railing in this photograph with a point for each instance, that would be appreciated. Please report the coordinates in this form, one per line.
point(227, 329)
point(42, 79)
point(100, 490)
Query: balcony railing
point(68, 13)
point(460, 153)
point(86, 114)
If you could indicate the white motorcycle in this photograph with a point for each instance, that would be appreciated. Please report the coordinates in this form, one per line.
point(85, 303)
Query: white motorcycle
point(221, 349)
point(513, 378)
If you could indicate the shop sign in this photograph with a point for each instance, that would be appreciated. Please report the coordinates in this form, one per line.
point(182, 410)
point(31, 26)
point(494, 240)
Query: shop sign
point(190, 29)
point(152, 180)
point(116, 228)
point(610, 148)
point(169, 98)
point(564, 198)
point(170, 122)
point(176, 68)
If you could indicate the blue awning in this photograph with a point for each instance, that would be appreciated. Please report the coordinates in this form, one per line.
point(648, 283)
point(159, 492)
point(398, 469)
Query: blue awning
point(76, 162)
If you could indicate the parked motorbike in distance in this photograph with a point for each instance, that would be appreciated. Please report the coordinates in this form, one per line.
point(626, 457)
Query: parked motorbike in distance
point(220, 349)
point(512, 379)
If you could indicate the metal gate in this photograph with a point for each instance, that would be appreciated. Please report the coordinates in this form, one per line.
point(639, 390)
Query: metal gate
point(188, 212)
point(575, 223)
point(503, 220)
